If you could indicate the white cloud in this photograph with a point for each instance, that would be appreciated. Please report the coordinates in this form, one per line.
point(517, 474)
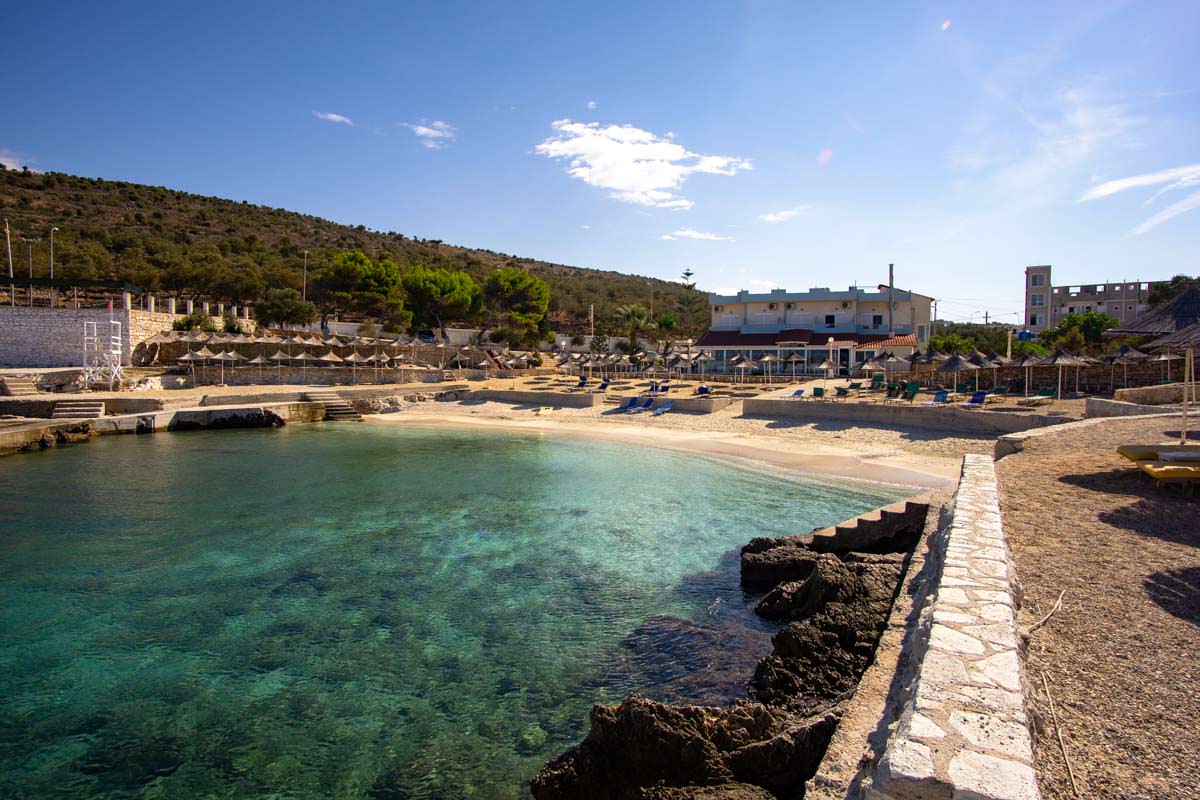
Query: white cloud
point(592, 105)
point(634, 165)
point(1176, 178)
point(690, 233)
point(783, 216)
point(586, 227)
point(328, 117)
point(435, 135)
point(14, 160)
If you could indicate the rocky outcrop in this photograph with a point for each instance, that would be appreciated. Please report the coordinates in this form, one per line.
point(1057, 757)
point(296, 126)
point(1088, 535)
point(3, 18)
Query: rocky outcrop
point(641, 748)
point(835, 606)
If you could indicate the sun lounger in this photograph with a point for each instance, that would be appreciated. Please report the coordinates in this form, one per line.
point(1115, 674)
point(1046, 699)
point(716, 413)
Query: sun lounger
point(841, 393)
point(797, 395)
point(703, 390)
point(818, 393)
point(1169, 472)
point(636, 409)
point(540, 410)
point(939, 398)
point(1160, 452)
point(630, 403)
point(664, 408)
point(603, 387)
point(976, 400)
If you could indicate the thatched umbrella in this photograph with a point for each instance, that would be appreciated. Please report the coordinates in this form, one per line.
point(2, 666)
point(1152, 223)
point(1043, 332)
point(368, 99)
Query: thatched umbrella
point(1166, 358)
point(794, 359)
point(1187, 340)
point(766, 361)
point(260, 362)
point(957, 364)
point(826, 367)
point(1060, 358)
point(1027, 362)
point(354, 359)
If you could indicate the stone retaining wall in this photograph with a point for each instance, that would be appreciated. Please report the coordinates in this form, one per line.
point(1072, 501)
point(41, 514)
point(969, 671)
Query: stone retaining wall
point(1100, 407)
point(948, 419)
point(691, 405)
point(964, 731)
point(566, 399)
point(1151, 395)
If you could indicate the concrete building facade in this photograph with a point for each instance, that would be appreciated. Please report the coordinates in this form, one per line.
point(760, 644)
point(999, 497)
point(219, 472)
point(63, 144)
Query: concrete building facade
point(846, 327)
point(1046, 304)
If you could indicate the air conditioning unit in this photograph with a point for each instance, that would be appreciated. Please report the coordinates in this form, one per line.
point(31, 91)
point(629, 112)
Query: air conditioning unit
point(771, 307)
point(789, 306)
point(845, 305)
point(718, 309)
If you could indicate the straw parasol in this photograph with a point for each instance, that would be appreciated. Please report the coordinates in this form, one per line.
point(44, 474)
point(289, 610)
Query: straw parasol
point(1188, 340)
point(260, 362)
point(826, 366)
point(794, 359)
point(765, 360)
point(957, 364)
point(1166, 358)
point(1060, 358)
point(354, 359)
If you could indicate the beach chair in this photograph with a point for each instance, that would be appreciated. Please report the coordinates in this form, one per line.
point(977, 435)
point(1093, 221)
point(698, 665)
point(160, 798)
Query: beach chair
point(703, 390)
point(818, 393)
point(1164, 472)
point(603, 387)
point(797, 395)
point(976, 401)
point(664, 387)
point(939, 398)
point(876, 383)
point(664, 408)
point(637, 409)
point(1041, 398)
point(582, 382)
point(630, 403)
point(841, 392)
point(856, 386)
point(1160, 452)
point(962, 388)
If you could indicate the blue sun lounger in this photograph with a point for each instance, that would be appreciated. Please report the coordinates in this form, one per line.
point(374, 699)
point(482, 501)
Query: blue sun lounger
point(797, 395)
point(703, 390)
point(664, 408)
point(939, 398)
point(976, 400)
point(630, 403)
point(649, 401)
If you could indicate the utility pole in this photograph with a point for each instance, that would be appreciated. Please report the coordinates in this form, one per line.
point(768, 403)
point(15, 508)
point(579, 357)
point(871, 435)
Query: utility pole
point(304, 286)
point(12, 289)
point(29, 244)
point(933, 322)
point(985, 318)
point(51, 291)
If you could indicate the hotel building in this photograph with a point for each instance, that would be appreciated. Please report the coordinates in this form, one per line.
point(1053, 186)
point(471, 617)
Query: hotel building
point(1046, 305)
point(848, 326)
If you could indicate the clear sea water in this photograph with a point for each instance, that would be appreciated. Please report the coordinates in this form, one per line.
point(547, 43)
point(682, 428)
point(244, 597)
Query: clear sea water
point(355, 610)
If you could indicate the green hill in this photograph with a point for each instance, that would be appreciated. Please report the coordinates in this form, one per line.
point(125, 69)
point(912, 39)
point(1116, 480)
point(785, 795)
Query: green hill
point(210, 248)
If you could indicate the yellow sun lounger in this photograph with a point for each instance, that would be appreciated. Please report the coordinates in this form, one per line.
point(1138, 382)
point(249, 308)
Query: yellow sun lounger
point(1169, 471)
point(1149, 452)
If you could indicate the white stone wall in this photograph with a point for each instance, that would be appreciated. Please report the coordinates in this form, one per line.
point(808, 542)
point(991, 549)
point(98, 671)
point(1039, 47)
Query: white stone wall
point(964, 732)
point(53, 337)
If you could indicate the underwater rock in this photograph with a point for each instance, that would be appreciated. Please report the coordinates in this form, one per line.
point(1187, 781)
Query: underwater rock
point(643, 743)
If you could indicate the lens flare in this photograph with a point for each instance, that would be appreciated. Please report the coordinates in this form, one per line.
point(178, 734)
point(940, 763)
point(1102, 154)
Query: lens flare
point(946, 23)
point(824, 156)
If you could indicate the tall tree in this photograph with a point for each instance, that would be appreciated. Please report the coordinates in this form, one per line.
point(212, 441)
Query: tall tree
point(438, 297)
point(635, 320)
point(285, 307)
point(352, 283)
point(515, 298)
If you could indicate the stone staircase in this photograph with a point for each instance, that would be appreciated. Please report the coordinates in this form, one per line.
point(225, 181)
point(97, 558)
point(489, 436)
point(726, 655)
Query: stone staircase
point(17, 387)
point(336, 409)
point(78, 409)
point(876, 530)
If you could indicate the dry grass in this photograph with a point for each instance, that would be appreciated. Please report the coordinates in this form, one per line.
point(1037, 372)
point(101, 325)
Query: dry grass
point(1122, 655)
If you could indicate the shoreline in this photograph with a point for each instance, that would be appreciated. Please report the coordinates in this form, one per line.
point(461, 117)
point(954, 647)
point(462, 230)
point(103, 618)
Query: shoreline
point(757, 451)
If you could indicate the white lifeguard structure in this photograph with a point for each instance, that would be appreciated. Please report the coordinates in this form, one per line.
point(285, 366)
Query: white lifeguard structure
point(101, 354)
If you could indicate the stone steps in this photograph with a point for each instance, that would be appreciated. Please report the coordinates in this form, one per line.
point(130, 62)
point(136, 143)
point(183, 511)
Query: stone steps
point(866, 530)
point(78, 409)
point(336, 409)
point(17, 387)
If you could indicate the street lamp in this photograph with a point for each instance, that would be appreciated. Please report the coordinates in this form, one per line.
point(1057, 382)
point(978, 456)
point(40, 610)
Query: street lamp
point(52, 230)
point(688, 342)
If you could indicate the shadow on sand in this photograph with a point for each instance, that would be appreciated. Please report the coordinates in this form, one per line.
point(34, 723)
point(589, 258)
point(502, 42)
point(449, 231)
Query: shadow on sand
point(1177, 591)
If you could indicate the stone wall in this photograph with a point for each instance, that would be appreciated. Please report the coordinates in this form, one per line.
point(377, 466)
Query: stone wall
point(53, 337)
point(964, 731)
point(948, 418)
point(566, 399)
point(1152, 395)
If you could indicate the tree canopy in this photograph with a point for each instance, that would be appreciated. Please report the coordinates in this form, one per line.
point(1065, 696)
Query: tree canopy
point(437, 297)
point(285, 307)
point(516, 299)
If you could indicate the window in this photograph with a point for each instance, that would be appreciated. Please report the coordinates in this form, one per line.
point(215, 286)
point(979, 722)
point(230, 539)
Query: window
point(1037, 299)
point(1037, 279)
point(1035, 319)
point(920, 333)
point(829, 322)
point(877, 321)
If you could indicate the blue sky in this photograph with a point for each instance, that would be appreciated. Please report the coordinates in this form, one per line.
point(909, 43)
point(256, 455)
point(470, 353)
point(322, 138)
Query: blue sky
point(760, 144)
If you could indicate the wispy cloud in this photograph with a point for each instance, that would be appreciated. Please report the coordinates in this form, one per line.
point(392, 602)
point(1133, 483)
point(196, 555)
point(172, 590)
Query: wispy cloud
point(1170, 180)
point(634, 165)
point(328, 117)
point(592, 105)
point(691, 233)
point(11, 159)
point(783, 216)
point(435, 134)
point(824, 156)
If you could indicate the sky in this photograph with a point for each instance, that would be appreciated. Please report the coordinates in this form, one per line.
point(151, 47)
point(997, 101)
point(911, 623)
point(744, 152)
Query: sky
point(759, 144)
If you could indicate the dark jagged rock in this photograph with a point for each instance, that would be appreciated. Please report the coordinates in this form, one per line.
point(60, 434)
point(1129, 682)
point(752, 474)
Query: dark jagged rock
point(766, 565)
point(641, 744)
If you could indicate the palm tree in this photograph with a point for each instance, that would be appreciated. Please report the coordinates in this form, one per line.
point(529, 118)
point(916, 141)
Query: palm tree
point(634, 319)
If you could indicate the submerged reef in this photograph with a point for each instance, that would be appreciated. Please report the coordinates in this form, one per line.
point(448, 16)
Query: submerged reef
point(834, 604)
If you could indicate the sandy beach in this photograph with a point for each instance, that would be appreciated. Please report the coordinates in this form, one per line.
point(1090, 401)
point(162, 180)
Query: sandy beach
point(921, 459)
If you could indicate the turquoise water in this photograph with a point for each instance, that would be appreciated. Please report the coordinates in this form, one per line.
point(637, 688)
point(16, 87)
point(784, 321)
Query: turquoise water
point(355, 610)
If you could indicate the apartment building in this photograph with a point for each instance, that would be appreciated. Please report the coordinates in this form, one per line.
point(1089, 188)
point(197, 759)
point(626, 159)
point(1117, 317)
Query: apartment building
point(1046, 305)
point(847, 327)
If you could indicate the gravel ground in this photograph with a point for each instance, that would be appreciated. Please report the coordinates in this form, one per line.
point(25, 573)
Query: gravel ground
point(1122, 655)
